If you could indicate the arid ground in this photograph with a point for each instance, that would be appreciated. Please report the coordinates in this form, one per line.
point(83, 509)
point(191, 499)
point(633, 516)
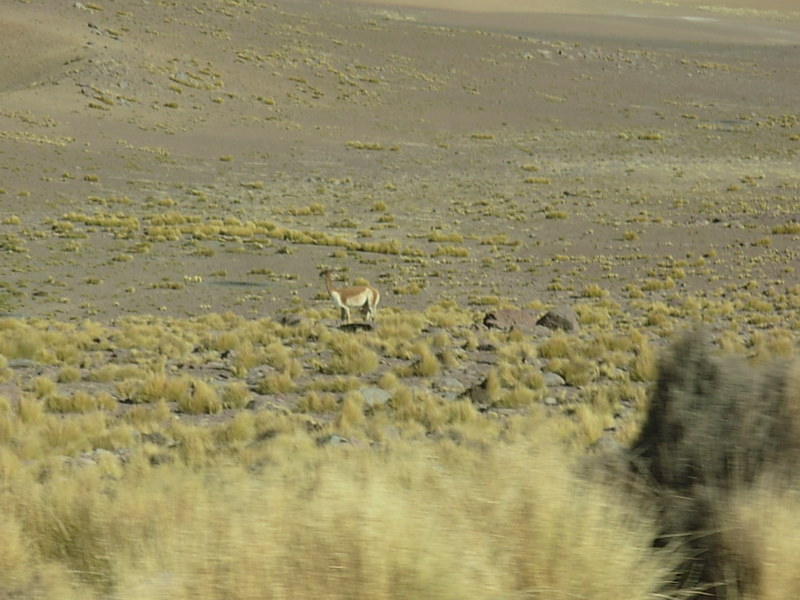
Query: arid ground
point(175, 174)
point(558, 150)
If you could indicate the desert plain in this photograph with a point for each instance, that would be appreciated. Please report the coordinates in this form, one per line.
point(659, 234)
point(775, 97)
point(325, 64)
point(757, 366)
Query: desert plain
point(175, 175)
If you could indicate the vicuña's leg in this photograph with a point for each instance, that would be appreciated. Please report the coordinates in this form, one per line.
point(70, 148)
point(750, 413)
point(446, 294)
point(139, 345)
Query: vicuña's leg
point(374, 306)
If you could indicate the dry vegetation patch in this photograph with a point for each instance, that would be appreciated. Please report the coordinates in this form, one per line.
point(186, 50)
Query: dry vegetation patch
point(169, 402)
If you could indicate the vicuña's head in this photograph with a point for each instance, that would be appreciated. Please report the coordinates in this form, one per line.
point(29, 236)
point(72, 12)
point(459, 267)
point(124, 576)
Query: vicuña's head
point(325, 272)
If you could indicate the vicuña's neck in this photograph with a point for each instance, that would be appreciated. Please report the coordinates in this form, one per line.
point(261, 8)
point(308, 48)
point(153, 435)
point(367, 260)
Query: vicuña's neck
point(329, 282)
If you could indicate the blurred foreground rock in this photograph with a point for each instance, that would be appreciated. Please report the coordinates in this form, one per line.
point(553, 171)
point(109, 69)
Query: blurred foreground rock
point(715, 426)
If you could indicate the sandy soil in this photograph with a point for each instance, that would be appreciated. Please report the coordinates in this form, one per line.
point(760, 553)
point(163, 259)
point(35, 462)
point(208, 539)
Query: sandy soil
point(187, 157)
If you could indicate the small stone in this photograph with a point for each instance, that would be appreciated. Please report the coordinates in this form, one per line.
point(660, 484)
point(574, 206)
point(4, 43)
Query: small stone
point(332, 440)
point(553, 379)
point(22, 363)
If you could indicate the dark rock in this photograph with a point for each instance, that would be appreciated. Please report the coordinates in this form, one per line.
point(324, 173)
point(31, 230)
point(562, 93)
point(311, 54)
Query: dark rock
point(561, 317)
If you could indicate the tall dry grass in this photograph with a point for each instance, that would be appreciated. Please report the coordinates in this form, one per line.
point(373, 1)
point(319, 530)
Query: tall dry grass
point(423, 519)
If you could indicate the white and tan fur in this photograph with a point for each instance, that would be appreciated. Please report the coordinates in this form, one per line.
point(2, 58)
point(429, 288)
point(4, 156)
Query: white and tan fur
point(364, 297)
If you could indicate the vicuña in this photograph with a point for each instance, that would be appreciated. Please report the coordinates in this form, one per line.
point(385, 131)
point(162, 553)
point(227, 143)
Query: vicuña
point(362, 296)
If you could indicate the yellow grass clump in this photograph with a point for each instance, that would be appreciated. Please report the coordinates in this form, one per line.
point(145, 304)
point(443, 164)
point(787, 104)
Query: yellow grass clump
point(351, 357)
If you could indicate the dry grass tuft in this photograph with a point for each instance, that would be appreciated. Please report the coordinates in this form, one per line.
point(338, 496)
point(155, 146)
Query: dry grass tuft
point(236, 395)
point(203, 398)
point(351, 357)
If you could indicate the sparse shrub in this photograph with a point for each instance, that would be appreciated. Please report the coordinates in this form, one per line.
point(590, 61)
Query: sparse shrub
point(517, 397)
point(30, 410)
point(203, 399)
point(317, 402)
point(444, 236)
point(43, 386)
point(351, 357)
point(79, 401)
point(358, 145)
point(579, 371)
point(455, 251)
point(225, 341)
point(275, 383)
point(241, 429)
point(426, 364)
point(654, 285)
point(68, 374)
point(336, 384)
point(277, 355)
point(790, 228)
point(148, 413)
point(487, 301)
point(592, 423)
point(593, 291)
point(194, 444)
point(236, 395)
point(552, 213)
point(557, 346)
point(538, 180)
point(402, 400)
point(246, 358)
point(644, 365)
point(412, 287)
point(151, 389)
point(352, 411)
point(461, 411)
